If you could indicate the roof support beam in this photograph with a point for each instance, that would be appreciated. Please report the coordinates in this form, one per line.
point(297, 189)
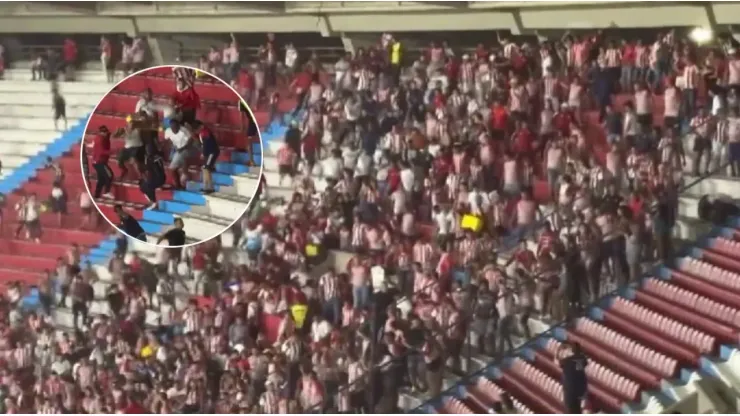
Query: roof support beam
point(450, 4)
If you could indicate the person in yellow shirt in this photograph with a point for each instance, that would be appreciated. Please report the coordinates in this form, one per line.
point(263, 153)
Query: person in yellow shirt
point(396, 57)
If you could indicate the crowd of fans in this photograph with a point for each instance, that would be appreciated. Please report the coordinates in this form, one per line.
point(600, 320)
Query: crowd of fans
point(426, 169)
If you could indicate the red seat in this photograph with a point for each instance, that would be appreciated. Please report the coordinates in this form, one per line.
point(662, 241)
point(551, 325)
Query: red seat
point(629, 326)
point(704, 286)
point(728, 263)
point(455, 406)
point(523, 390)
point(537, 381)
point(693, 301)
point(166, 86)
point(641, 355)
point(710, 273)
point(688, 317)
point(658, 323)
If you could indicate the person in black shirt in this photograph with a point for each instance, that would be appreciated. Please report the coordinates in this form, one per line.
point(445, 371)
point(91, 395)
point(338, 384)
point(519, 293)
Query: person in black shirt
point(129, 225)
point(293, 137)
point(154, 177)
point(60, 108)
point(175, 240)
point(575, 384)
point(249, 129)
point(211, 151)
point(413, 339)
point(611, 200)
point(575, 280)
point(175, 236)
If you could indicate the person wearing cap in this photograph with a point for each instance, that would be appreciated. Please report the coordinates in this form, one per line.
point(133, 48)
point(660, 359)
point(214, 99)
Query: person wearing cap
point(101, 154)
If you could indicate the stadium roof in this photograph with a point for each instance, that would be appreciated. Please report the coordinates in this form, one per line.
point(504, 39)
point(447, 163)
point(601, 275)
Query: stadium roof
point(331, 18)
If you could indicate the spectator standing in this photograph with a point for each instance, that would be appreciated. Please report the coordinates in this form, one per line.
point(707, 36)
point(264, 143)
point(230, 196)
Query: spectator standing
point(59, 105)
point(575, 384)
point(733, 137)
point(231, 59)
point(106, 58)
point(39, 68)
point(138, 53)
point(127, 56)
point(70, 59)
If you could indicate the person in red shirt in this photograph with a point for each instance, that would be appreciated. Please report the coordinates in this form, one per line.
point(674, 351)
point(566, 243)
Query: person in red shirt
point(523, 141)
point(187, 102)
point(245, 86)
point(499, 120)
point(562, 120)
point(481, 52)
point(70, 59)
point(101, 154)
point(629, 55)
point(310, 145)
point(132, 407)
point(300, 86)
point(524, 257)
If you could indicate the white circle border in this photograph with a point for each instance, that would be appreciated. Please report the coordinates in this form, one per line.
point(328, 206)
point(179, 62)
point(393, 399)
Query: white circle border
point(259, 135)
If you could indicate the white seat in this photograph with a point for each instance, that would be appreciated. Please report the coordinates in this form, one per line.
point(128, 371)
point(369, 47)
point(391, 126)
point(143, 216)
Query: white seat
point(76, 87)
point(41, 97)
point(24, 75)
point(27, 123)
point(10, 160)
point(40, 111)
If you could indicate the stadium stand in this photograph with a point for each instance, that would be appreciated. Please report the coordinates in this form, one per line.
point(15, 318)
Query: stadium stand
point(28, 139)
point(652, 344)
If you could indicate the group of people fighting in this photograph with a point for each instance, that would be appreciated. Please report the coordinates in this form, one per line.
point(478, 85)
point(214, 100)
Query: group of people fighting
point(143, 150)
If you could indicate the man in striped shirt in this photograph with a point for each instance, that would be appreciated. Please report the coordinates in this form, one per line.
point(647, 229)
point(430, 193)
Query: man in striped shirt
point(329, 286)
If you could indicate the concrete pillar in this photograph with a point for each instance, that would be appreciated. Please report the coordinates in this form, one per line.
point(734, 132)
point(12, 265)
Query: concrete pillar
point(163, 50)
point(354, 41)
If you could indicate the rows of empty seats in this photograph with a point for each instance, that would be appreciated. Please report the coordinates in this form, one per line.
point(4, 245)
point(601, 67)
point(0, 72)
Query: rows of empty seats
point(653, 333)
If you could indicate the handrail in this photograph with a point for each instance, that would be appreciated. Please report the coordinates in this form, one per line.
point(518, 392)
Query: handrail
point(90, 53)
point(558, 325)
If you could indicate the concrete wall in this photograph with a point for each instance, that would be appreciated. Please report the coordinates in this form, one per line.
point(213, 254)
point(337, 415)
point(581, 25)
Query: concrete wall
point(340, 17)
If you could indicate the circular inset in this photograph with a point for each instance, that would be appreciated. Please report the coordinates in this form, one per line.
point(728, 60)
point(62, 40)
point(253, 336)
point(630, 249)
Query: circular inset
point(173, 156)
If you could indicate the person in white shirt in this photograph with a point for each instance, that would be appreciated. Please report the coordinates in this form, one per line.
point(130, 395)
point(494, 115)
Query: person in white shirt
point(555, 163)
point(331, 167)
point(398, 202)
point(363, 165)
point(146, 104)
point(342, 79)
point(28, 212)
point(291, 58)
point(407, 178)
point(643, 106)
point(511, 175)
point(231, 59)
point(629, 123)
point(181, 140)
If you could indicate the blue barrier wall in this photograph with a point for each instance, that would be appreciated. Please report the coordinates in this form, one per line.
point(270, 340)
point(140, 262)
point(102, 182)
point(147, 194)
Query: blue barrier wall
point(55, 149)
